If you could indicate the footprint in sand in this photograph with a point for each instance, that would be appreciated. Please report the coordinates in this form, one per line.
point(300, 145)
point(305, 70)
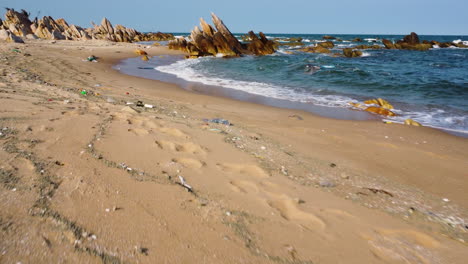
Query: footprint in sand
point(129, 115)
point(139, 131)
point(190, 163)
point(289, 210)
point(244, 186)
point(402, 246)
point(188, 147)
point(246, 169)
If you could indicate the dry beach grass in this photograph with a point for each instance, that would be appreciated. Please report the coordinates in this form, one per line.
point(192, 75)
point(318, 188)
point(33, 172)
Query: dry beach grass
point(90, 179)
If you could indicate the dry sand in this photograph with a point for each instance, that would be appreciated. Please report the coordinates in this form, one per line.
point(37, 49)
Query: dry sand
point(89, 179)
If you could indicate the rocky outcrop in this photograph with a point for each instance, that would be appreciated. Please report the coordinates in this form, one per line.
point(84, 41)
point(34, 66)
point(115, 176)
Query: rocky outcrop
point(260, 46)
point(328, 37)
point(350, 53)
point(411, 42)
point(388, 44)
point(382, 107)
point(7, 36)
point(208, 41)
point(326, 44)
point(367, 47)
point(315, 49)
point(380, 102)
point(411, 39)
point(19, 24)
point(380, 111)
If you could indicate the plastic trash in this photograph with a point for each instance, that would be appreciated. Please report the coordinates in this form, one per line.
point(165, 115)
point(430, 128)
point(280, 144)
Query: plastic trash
point(140, 104)
point(149, 106)
point(92, 58)
point(84, 92)
point(16, 50)
point(218, 121)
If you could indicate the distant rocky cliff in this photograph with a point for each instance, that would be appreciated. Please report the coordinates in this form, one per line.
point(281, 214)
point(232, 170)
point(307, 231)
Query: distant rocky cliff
point(18, 25)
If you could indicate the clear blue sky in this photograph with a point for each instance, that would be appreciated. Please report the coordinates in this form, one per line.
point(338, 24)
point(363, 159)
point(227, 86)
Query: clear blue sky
point(439, 17)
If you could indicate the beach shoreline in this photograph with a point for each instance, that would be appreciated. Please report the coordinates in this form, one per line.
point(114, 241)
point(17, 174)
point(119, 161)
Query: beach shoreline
point(361, 186)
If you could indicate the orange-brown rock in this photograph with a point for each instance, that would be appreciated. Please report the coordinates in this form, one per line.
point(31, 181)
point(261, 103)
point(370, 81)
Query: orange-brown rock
point(388, 44)
point(380, 102)
point(350, 53)
point(411, 122)
point(315, 49)
point(326, 44)
point(380, 111)
point(144, 58)
point(328, 37)
point(260, 46)
point(411, 39)
point(209, 41)
point(140, 52)
point(367, 47)
point(17, 22)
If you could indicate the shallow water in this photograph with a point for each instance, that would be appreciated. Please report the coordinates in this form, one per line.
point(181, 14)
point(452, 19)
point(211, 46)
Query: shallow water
point(430, 87)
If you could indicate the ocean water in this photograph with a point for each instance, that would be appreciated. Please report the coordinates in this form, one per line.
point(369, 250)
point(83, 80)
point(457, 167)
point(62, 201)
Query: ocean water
point(430, 87)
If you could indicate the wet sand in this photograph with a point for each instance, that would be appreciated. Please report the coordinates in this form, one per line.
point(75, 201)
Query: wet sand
point(90, 179)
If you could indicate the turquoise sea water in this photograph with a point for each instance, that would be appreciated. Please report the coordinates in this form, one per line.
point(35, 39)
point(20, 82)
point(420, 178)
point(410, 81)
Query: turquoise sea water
point(430, 87)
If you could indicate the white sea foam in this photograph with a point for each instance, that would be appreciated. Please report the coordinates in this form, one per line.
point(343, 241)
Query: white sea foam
point(458, 41)
point(371, 39)
point(184, 69)
point(344, 45)
point(366, 54)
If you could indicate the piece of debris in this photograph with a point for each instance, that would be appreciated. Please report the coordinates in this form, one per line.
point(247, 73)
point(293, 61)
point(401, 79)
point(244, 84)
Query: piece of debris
point(333, 165)
point(184, 184)
point(379, 191)
point(327, 184)
point(92, 58)
point(284, 171)
point(218, 121)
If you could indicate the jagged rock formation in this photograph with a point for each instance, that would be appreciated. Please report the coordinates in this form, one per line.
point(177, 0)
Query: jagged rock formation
point(367, 47)
point(315, 49)
point(208, 41)
point(351, 53)
point(19, 24)
point(7, 36)
point(412, 42)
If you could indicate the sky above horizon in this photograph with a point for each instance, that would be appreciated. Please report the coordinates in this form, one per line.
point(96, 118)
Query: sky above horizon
point(425, 17)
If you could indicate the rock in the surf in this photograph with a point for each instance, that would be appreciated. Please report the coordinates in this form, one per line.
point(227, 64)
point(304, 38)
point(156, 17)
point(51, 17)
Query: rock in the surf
point(212, 41)
point(380, 111)
point(351, 53)
point(411, 122)
point(326, 44)
point(380, 102)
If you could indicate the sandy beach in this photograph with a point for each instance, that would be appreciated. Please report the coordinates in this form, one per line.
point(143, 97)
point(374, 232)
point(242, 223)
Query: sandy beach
point(88, 178)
